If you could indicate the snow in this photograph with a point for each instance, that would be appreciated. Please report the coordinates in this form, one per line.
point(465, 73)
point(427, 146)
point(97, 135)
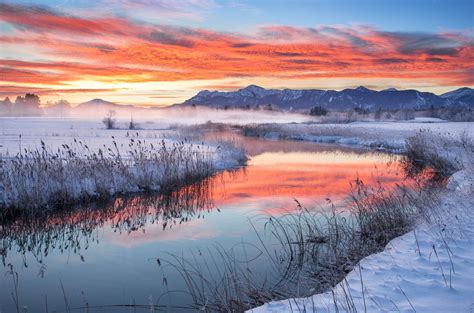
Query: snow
point(416, 271)
point(57, 131)
point(458, 93)
point(427, 120)
point(256, 91)
point(461, 181)
point(430, 269)
point(289, 94)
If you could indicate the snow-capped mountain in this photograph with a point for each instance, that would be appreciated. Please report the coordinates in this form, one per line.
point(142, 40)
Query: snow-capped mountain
point(464, 95)
point(347, 99)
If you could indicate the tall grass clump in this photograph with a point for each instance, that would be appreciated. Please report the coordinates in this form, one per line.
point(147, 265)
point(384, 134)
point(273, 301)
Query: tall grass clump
point(303, 252)
point(442, 154)
point(42, 178)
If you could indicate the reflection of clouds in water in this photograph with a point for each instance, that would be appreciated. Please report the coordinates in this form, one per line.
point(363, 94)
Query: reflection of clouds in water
point(126, 234)
point(273, 180)
point(299, 181)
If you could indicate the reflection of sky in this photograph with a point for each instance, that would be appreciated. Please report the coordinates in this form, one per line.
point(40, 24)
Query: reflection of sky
point(268, 186)
point(122, 266)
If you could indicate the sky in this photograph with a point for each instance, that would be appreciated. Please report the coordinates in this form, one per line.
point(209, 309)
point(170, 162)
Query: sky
point(161, 52)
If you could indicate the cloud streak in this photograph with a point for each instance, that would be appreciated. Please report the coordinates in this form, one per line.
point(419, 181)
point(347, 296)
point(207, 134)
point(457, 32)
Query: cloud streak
point(7, 90)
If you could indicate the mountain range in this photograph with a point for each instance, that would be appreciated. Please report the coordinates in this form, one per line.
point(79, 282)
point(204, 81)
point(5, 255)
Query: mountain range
point(303, 100)
point(254, 96)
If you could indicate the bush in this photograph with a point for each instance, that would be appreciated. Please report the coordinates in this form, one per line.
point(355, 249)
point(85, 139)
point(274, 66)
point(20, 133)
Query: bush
point(318, 111)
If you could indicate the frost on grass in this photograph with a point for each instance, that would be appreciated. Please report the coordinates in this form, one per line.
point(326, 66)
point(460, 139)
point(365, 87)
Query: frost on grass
point(376, 135)
point(74, 231)
point(442, 153)
point(46, 178)
point(429, 269)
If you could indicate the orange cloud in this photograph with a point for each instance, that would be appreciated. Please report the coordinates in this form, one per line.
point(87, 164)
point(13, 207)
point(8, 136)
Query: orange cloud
point(117, 50)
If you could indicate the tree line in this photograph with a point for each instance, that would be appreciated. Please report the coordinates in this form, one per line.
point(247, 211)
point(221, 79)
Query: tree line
point(30, 105)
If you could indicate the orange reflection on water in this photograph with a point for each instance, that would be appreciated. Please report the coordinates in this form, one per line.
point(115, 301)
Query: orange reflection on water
point(275, 179)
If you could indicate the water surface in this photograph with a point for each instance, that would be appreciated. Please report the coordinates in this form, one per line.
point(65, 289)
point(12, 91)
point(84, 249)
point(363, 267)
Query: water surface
point(105, 254)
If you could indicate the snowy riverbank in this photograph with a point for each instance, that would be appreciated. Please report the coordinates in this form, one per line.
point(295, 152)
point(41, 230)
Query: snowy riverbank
point(430, 269)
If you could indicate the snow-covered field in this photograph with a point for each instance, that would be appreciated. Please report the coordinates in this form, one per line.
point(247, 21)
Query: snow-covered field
point(389, 135)
point(57, 131)
point(430, 269)
point(27, 133)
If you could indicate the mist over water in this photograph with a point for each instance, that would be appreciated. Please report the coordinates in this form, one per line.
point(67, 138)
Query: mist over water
point(183, 115)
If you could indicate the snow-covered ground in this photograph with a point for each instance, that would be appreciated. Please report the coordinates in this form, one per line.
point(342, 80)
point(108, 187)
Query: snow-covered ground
point(387, 135)
point(430, 269)
point(57, 131)
point(27, 133)
point(430, 272)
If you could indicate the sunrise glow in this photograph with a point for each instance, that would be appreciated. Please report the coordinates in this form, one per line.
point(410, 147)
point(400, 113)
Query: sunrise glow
point(162, 52)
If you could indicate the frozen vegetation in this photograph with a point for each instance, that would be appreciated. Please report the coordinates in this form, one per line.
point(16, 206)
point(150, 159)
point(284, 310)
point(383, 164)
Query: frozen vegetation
point(429, 269)
point(378, 135)
point(315, 251)
point(39, 171)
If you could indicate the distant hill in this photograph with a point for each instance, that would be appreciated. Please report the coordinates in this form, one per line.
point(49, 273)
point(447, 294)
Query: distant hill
point(102, 104)
point(100, 107)
point(303, 100)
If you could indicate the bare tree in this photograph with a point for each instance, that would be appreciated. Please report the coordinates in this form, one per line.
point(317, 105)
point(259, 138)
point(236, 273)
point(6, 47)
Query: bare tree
point(109, 120)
